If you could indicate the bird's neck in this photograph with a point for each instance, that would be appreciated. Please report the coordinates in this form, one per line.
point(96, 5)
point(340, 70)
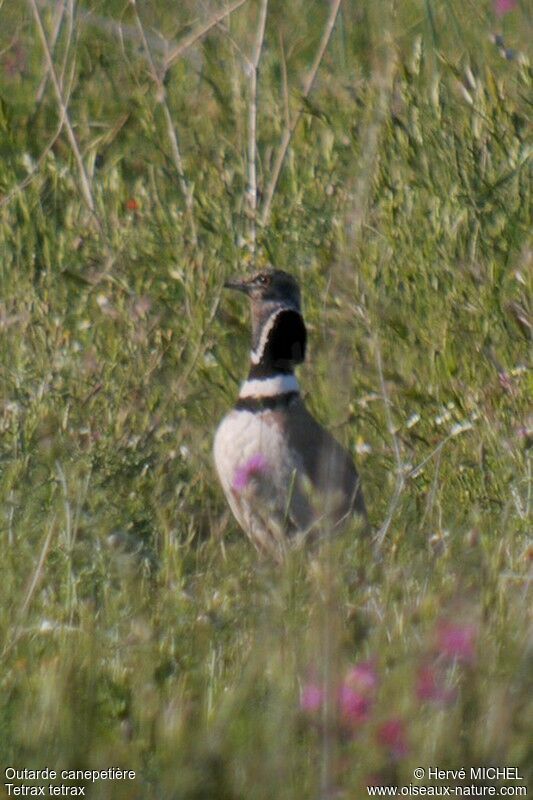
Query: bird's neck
point(278, 342)
point(278, 345)
point(276, 384)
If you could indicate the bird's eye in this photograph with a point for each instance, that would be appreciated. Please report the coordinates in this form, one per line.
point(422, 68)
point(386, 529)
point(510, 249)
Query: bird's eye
point(263, 279)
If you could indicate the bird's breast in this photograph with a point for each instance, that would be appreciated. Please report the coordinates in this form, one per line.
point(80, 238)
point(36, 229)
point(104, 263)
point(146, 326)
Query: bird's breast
point(250, 446)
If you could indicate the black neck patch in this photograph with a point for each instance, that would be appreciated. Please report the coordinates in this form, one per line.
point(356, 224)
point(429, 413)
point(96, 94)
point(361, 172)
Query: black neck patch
point(277, 401)
point(285, 343)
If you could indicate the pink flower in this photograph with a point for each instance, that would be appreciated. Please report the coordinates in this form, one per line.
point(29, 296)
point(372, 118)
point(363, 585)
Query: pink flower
point(363, 677)
point(502, 7)
point(354, 707)
point(255, 466)
point(354, 696)
point(430, 686)
point(457, 642)
point(311, 698)
point(392, 736)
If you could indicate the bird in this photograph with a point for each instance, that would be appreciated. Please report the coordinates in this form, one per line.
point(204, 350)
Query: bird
point(285, 477)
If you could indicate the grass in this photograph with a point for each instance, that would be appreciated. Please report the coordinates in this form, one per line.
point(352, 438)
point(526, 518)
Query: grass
point(138, 627)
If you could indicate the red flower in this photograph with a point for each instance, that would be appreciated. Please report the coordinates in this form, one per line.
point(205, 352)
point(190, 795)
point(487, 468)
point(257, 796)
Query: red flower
point(502, 7)
point(132, 204)
point(354, 707)
point(457, 642)
point(311, 698)
point(392, 736)
point(363, 676)
point(430, 686)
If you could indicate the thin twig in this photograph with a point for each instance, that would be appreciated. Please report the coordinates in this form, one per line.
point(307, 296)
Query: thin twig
point(400, 471)
point(252, 122)
point(370, 139)
point(327, 741)
point(186, 188)
point(388, 412)
point(157, 43)
point(68, 42)
point(433, 493)
point(6, 200)
point(32, 586)
point(56, 27)
point(38, 572)
point(289, 130)
point(200, 32)
point(284, 81)
point(84, 180)
point(415, 471)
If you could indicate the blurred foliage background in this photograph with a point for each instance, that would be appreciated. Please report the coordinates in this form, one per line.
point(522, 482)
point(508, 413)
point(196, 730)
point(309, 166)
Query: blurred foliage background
point(142, 162)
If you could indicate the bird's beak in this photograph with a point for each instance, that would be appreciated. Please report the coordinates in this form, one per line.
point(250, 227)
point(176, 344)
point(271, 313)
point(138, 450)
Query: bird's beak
point(240, 285)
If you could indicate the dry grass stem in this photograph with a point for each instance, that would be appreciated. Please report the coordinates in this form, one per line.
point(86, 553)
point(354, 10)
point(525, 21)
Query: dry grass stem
point(253, 68)
point(199, 32)
point(30, 591)
point(370, 139)
point(400, 471)
point(57, 20)
point(289, 130)
point(186, 188)
point(7, 199)
point(82, 172)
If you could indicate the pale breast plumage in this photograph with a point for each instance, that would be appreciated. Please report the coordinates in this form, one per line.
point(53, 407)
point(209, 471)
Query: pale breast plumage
point(261, 477)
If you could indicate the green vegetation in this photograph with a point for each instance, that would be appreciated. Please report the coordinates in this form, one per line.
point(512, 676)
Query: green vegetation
point(138, 628)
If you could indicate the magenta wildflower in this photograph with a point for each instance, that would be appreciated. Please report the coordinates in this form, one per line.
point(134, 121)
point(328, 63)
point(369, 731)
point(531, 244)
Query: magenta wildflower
point(430, 686)
point(311, 698)
point(354, 707)
point(354, 696)
point(392, 736)
point(502, 7)
point(363, 677)
point(256, 465)
point(356, 693)
point(457, 642)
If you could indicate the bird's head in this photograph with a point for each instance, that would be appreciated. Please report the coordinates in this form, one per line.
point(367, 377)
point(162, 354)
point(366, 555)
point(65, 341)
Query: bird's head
point(278, 329)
